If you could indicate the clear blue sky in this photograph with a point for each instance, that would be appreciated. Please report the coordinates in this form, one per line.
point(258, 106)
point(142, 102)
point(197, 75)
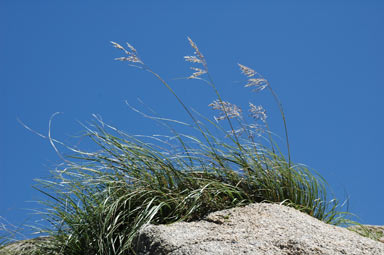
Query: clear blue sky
point(324, 58)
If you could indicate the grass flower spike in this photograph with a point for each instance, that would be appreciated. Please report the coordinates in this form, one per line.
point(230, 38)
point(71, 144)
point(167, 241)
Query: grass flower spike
point(249, 72)
point(259, 84)
point(132, 53)
point(198, 72)
point(227, 110)
point(257, 112)
point(197, 58)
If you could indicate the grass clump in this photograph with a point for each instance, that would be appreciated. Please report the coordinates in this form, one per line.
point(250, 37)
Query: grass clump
point(99, 200)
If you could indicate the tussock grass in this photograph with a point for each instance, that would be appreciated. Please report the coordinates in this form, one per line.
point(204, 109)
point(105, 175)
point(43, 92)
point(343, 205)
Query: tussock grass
point(98, 200)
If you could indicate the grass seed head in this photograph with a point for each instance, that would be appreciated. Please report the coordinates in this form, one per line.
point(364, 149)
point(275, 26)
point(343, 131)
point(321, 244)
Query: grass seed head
point(132, 53)
point(259, 84)
point(197, 51)
point(197, 58)
point(257, 112)
point(249, 72)
point(227, 110)
point(197, 73)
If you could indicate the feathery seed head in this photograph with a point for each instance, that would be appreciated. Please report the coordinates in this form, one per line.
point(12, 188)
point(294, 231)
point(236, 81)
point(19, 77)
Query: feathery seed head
point(258, 83)
point(192, 43)
point(131, 47)
point(198, 72)
point(192, 59)
point(118, 46)
point(227, 110)
point(249, 72)
point(257, 112)
point(132, 54)
point(197, 58)
point(197, 52)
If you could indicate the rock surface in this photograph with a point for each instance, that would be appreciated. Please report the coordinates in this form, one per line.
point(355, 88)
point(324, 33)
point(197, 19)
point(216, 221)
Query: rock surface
point(24, 247)
point(255, 229)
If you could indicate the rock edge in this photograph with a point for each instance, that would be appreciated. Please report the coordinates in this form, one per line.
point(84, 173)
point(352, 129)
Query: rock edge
point(261, 228)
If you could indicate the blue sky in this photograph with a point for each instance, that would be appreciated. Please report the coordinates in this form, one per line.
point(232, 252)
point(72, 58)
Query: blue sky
point(323, 58)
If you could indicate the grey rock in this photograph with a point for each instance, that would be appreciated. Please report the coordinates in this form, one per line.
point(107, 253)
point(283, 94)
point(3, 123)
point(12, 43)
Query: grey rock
point(25, 247)
point(255, 229)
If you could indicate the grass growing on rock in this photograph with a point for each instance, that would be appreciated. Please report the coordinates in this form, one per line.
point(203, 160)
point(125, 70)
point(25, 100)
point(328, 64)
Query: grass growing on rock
point(98, 200)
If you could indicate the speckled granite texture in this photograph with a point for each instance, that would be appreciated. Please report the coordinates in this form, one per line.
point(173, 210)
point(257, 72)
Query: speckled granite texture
point(265, 229)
